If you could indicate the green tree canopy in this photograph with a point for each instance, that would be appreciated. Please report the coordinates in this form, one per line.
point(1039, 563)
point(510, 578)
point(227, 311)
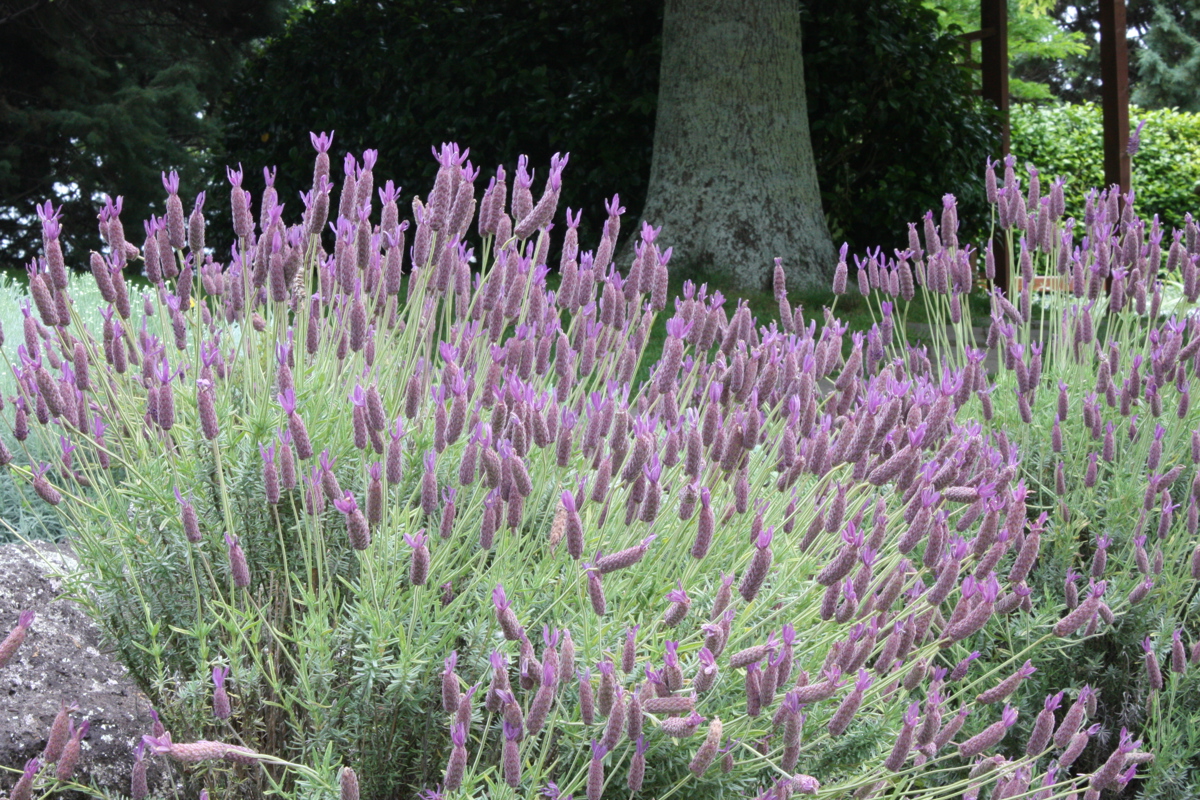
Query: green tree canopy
point(1168, 62)
point(1037, 42)
point(1056, 44)
point(100, 96)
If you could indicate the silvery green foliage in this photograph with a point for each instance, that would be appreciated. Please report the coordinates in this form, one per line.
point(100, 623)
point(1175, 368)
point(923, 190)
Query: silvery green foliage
point(883, 527)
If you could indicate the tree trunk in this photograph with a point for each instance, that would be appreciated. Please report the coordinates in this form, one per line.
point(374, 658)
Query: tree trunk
point(733, 182)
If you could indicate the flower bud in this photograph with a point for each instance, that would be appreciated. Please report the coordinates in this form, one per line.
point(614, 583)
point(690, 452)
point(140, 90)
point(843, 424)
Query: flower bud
point(418, 571)
point(990, 736)
point(595, 777)
point(760, 564)
point(220, 701)
point(348, 783)
point(60, 733)
point(456, 767)
point(71, 752)
point(238, 567)
point(23, 788)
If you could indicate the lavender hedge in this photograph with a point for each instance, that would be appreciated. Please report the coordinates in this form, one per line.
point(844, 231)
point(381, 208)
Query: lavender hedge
point(374, 511)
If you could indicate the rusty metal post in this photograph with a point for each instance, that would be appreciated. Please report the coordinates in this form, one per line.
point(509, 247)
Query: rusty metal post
point(1114, 76)
point(993, 25)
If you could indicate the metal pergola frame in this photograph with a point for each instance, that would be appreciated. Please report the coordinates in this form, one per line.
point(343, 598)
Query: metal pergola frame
point(1114, 75)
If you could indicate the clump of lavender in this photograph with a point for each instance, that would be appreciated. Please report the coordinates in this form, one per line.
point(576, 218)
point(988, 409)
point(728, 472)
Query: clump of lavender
point(871, 499)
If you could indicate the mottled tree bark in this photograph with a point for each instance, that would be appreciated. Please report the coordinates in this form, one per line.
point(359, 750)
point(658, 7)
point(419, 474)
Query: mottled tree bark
point(733, 182)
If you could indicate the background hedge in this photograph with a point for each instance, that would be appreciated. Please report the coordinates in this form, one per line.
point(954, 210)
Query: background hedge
point(1067, 140)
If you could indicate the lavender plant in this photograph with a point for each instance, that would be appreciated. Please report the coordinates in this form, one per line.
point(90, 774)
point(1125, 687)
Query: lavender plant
point(22, 513)
point(1093, 366)
point(376, 499)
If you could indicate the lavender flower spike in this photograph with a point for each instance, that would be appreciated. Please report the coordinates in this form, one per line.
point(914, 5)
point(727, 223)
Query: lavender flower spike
point(450, 691)
point(595, 779)
point(681, 727)
point(805, 784)
point(511, 758)
point(629, 651)
point(623, 559)
point(595, 589)
point(23, 789)
point(846, 711)
point(506, 616)
point(895, 761)
point(429, 493)
point(357, 528)
point(990, 736)
point(540, 215)
point(637, 765)
point(418, 571)
point(1153, 671)
point(221, 707)
point(59, 733)
point(287, 400)
point(1082, 613)
point(573, 526)
point(707, 752)
point(191, 522)
point(237, 562)
point(457, 764)
point(72, 752)
point(1110, 771)
point(348, 783)
point(1135, 140)
point(1043, 726)
point(175, 225)
point(705, 526)
point(760, 565)
point(1007, 686)
point(8, 648)
point(680, 603)
point(202, 750)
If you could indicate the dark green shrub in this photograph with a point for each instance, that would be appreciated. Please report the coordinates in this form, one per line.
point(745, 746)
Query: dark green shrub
point(401, 76)
point(894, 125)
point(582, 77)
point(1067, 140)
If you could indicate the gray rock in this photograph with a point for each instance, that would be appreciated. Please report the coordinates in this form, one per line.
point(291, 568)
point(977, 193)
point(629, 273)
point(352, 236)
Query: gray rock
point(62, 660)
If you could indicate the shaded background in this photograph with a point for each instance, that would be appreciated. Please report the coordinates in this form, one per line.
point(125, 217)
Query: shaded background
point(102, 95)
